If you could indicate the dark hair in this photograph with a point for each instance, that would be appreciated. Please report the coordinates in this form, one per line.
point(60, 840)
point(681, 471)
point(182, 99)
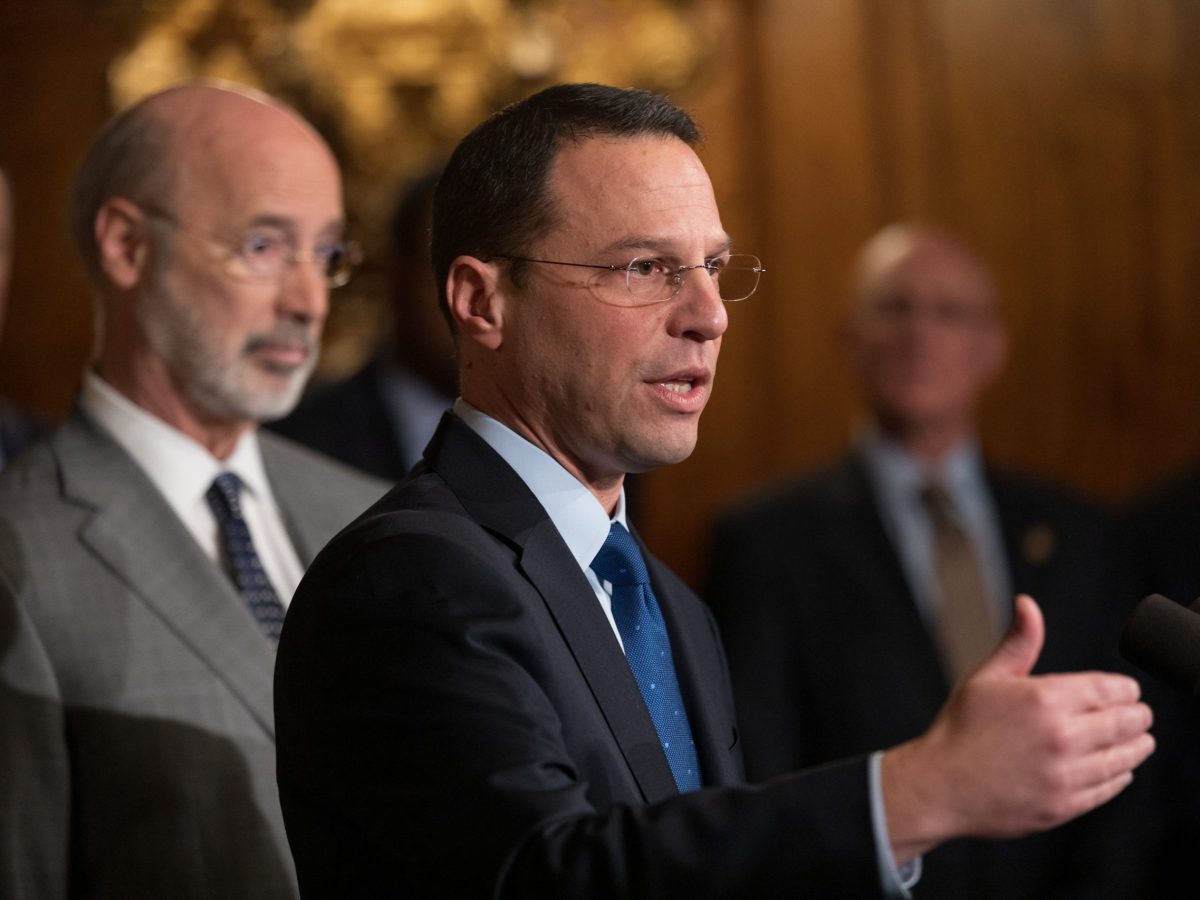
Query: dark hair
point(493, 198)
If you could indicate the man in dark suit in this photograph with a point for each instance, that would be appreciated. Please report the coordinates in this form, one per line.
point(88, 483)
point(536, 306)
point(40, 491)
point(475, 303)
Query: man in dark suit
point(487, 688)
point(148, 547)
point(830, 589)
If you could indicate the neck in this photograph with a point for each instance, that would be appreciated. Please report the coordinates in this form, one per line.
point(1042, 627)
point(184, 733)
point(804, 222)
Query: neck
point(928, 442)
point(606, 488)
point(146, 383)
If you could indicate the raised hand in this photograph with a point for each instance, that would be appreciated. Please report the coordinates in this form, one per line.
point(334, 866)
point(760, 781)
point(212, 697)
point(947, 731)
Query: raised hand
point(1011, 753)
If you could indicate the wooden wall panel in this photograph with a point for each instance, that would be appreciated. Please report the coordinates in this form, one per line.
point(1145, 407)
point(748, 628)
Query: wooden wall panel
point(781, 394)
point(1062, 139)
point(53, 97)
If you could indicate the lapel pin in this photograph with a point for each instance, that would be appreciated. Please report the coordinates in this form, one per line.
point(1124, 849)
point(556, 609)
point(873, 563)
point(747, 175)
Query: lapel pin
point(1037, 544)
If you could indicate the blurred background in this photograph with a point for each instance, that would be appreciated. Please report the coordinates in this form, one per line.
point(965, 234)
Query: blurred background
point(1060, 139)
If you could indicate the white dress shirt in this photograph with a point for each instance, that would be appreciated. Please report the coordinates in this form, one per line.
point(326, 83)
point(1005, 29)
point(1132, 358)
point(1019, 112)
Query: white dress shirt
point(183, 471)
point(574, 510)
point(898, 479)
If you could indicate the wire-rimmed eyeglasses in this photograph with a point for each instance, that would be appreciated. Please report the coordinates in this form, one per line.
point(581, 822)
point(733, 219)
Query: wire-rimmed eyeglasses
point(265, 252)
point(651, 279)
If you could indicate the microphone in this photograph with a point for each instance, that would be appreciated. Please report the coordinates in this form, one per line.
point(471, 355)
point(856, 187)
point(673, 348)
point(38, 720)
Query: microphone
point(1163, 637)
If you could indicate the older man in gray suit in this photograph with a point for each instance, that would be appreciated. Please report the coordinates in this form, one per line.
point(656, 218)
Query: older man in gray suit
point(149, 546)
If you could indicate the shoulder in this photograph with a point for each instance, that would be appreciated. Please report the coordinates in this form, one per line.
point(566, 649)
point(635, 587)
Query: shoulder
point(62, 464)
point(795, 502)
point(1170, 499)
point(290, 464)
point(418, 532)
point(34, 475)
point(1027, 496)
point(18, 429)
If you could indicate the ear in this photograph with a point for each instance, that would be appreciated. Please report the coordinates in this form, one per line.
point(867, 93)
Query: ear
point(476, 301)
point(122, 243)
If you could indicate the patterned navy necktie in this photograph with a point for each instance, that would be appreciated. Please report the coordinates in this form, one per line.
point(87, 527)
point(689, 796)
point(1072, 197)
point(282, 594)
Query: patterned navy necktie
point(248, 573)
point(648, 650)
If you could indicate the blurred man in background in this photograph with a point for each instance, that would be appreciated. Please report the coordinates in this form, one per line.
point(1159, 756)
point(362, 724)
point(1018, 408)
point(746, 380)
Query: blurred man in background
point(149, 547)
point(852, 599)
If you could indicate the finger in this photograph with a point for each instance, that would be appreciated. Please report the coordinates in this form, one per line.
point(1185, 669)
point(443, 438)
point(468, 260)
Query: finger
point(1067, 805)
point(1087, 691)
point(1018, 650)
point(1094, 731)
point(1110, 762)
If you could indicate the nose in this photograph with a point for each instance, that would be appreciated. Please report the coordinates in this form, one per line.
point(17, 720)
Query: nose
point(303, 292)
point(697, 312)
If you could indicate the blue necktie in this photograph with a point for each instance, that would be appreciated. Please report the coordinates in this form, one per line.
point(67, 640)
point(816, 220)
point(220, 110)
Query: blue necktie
point(248, 573)
point(648, 650)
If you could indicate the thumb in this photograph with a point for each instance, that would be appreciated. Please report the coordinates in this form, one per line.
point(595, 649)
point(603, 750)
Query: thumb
point(1019, 649)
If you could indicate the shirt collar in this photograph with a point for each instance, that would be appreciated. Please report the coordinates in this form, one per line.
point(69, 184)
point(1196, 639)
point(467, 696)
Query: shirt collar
point(573, 509)
point(902, 476)
point(180, 468)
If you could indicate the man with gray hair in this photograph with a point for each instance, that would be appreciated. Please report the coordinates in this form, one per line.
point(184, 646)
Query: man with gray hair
point(149, 547)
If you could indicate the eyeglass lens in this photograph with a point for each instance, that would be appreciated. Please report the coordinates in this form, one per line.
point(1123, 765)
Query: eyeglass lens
point(736, 278)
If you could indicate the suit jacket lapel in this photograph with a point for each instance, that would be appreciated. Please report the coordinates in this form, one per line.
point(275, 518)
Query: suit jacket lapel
point(497, 498)
point(311, 512)
point(859, 536)
point(139, 537)
point(1019, 523)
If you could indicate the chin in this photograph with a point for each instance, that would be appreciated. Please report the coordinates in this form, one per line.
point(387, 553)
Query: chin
point(652, 455)
point(258, 404)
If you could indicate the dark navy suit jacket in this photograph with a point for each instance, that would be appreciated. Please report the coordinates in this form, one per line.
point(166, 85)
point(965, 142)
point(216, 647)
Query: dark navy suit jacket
point(456, 719)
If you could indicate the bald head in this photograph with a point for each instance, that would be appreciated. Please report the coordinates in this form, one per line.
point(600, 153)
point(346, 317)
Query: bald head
point(210, 219)
point(925, 334)
point(910, 257)
point(165, 140)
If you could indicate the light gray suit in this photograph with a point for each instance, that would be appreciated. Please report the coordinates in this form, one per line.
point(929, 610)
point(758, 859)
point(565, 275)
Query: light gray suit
point(137, 742)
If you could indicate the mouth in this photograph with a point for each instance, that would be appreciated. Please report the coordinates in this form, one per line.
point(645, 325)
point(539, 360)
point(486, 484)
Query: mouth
point(282, 357)
point(284, 349)
point(684, 391)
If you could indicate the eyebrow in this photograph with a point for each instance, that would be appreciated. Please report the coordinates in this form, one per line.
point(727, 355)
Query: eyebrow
point(288, 224)
point(659, 245)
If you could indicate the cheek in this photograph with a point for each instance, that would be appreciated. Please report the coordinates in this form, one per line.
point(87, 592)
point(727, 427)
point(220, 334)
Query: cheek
point(239, 310)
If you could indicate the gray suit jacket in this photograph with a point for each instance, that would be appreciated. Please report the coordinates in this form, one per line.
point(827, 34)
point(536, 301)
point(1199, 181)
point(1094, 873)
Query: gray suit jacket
point(137, 742)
